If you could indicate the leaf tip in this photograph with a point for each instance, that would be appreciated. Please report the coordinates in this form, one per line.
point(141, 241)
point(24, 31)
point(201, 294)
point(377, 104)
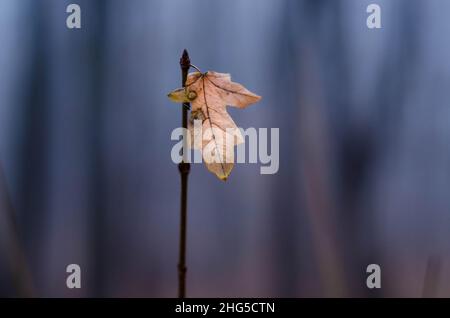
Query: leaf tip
point(178, 96)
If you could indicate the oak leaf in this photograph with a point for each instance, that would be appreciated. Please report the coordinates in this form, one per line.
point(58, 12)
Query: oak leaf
point(209, 93)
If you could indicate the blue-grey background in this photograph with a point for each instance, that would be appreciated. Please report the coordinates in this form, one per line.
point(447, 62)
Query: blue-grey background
point(364, 148)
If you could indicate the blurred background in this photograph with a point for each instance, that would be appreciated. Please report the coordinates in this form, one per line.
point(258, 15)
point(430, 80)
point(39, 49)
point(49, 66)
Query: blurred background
point(86, 175)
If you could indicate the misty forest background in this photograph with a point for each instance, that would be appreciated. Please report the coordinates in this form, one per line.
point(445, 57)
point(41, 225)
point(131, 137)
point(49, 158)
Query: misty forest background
point(364, 148)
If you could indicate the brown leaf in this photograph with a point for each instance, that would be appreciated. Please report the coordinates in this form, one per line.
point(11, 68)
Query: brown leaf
point(209, 94)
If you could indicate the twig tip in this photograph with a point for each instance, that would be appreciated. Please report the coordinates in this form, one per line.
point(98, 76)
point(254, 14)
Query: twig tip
point(185, 61)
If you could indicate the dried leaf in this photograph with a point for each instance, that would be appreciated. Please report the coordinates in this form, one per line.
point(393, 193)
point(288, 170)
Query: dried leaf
point(209, 93)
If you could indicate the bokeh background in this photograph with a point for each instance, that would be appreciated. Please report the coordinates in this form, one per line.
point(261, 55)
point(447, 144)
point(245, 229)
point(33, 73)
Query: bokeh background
point(86, 175)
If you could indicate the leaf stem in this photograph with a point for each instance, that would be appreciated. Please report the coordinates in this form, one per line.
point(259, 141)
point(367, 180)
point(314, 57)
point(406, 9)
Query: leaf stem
point(193, 66)
point(184, 168)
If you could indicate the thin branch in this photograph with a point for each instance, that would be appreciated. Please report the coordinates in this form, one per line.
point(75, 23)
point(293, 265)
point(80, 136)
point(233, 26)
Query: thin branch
point(184, 168)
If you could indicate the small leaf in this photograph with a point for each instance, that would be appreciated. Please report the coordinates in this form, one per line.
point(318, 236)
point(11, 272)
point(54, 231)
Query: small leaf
point(209, 94)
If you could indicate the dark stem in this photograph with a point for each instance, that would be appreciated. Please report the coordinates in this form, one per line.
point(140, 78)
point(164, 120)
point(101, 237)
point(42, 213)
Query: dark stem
point(184, 168)
point(15, 252)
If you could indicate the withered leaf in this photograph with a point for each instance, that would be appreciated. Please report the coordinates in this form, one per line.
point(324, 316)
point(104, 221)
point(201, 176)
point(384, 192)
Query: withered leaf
point(209, 93)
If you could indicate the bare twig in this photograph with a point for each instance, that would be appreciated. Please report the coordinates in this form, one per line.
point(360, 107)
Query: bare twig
point(184, 168)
